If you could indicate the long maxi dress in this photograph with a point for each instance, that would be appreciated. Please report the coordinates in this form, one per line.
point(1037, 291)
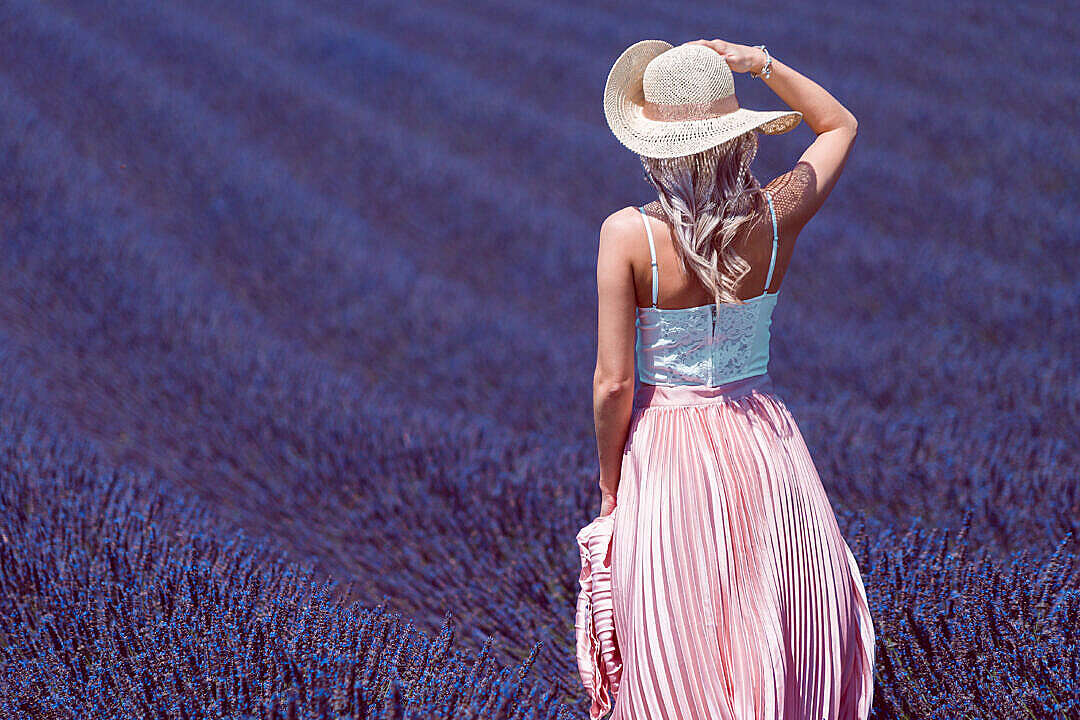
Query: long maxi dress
point(735, 595)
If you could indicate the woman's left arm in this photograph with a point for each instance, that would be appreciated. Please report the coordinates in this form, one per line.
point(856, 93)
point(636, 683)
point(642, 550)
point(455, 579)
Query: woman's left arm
point(613, 380)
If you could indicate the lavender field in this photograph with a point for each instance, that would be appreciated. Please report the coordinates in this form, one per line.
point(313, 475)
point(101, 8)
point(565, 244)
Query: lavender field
point(297, 332)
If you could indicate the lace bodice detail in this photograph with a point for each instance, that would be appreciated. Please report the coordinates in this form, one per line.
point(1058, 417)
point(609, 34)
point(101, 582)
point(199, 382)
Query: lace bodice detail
point(708, 344)
point(704, 345)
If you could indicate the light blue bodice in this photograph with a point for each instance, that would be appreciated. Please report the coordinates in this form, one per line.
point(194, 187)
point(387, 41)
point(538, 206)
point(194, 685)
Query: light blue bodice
point(708, 344)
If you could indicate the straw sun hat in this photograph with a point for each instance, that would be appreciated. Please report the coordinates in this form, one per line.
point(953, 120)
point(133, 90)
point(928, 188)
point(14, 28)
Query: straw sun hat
point(663, 101)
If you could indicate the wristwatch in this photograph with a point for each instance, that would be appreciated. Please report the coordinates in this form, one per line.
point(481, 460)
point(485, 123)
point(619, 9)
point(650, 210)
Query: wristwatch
point(766, 69)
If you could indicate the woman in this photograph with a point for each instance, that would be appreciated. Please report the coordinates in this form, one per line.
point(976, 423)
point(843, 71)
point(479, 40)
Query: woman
point(734, 595)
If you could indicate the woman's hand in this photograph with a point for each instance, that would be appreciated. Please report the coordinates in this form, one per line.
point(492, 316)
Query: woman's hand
point(740, 58)
point(607, 503)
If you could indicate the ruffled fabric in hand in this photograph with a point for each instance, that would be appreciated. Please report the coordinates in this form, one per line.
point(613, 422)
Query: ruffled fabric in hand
point(599, 661)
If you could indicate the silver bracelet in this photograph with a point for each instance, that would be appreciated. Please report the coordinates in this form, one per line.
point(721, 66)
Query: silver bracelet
point(766, 69)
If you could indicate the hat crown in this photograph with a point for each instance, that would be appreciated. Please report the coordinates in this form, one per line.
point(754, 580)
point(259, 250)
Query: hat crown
point(688, 73)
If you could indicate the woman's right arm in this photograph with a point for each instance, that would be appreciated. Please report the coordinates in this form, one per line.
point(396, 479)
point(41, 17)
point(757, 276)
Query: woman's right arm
point(802, 191)
point(835, 127)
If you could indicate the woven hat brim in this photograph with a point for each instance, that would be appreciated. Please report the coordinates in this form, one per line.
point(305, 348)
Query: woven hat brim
point(624, 110)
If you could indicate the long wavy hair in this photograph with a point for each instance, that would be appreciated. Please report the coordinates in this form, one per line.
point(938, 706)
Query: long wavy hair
point(708, 197)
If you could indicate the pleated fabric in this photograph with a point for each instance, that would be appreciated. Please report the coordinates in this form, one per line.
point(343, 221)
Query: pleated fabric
point(735, 595)
point(598, 657)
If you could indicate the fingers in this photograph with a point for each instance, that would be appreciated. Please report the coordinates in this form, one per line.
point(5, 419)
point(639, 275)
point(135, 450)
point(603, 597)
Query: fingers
point(718, 45)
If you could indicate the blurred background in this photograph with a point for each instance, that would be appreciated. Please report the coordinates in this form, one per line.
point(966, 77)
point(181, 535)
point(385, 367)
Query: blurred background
point(320, 276)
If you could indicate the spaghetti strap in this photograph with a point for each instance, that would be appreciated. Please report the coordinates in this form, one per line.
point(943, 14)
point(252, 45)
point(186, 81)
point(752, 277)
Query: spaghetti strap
point(652, 253)
point(775, 242)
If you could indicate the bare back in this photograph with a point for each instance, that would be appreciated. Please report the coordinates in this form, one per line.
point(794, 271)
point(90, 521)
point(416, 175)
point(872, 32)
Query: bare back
point(754, 244)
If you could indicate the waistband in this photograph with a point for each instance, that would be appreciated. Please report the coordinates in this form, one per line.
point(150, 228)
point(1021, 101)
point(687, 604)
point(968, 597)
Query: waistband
point(676, 395)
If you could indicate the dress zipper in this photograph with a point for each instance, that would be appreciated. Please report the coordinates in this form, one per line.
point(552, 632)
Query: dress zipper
point(712, 344)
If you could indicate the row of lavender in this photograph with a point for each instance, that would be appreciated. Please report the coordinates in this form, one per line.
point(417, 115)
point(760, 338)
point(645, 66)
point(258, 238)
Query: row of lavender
point(122, 598)
point(243, 252)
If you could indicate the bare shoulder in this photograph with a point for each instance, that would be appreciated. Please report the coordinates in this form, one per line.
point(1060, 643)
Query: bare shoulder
point(619, 231)
point(791, 202)
point(616, 260)
point(621, 224)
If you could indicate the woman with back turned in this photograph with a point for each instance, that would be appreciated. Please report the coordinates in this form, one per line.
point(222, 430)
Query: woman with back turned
point(716, 582)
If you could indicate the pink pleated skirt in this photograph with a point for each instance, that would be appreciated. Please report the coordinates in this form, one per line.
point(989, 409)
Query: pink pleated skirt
point(735, 595)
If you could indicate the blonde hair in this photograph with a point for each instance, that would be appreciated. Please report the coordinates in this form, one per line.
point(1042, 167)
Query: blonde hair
point(708, 197)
